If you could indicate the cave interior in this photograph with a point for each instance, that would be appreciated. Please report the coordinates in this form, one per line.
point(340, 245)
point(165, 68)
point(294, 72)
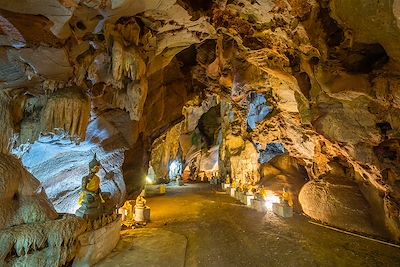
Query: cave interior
point(297, 98)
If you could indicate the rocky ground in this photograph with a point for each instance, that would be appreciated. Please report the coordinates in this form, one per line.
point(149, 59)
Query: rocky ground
point(222, 232)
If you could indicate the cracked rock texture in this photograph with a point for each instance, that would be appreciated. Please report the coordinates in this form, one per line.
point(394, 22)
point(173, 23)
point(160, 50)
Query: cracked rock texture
point(290, 92)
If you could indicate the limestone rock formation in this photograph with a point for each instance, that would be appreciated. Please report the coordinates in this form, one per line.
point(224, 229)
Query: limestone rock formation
point(338, 202)
point(23, 200)
point(29, 232)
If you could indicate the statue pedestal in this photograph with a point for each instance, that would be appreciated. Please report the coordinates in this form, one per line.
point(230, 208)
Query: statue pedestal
point(243, 198)
point(225, 186)
point(282, 210)
point(233, 191)
point(142, 214)
point(248, 199)
point(228, 190)
point(238, 195)
point(97, 244)
point(258, 205)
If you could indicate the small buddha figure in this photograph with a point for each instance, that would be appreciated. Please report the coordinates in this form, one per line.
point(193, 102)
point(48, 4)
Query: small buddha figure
point(227, 179)
point(140, 201)
point(92, 200)
point(240, 187)
point(233, 184)
point(127, 210)
point(263, 192)
point(286, 198)
point(249, 189)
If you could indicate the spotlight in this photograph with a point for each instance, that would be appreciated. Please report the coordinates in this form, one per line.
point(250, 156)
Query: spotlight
point(270, 199)
point(148, 180)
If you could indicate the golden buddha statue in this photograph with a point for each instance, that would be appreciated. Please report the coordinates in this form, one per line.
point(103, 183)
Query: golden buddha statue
point(233, 184)
point(140, 201)
point(227, 179)
point(91, 200)
point(240, 187)
point(286, 197)
point(263, 192)
point(127, 210)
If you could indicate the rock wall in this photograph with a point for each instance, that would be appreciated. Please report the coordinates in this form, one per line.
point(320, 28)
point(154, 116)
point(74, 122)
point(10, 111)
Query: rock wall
point(23, 199)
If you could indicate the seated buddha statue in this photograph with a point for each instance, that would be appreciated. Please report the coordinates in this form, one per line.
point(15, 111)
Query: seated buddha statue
point(227, 179)
point(92, 200)
point(140, 201)
point(286, 198)
point(262, 193)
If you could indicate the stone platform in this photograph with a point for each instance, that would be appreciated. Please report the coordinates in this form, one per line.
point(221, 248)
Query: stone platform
point(148, 247)
point(258, 205)
point(97, 244)
point(282, 210)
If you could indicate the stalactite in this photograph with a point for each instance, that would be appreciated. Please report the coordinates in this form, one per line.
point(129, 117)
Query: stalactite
point(133, 99)
point(126, 62)
point(6, 129)
point(67, 109)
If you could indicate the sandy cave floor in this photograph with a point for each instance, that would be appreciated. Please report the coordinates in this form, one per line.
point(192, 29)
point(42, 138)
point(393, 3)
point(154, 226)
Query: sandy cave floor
point(194, 225)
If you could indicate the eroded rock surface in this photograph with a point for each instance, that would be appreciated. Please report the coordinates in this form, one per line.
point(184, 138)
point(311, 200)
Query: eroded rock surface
point(23, 200)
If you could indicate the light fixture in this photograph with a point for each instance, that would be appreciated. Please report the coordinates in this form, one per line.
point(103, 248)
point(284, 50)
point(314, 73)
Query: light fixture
point(148, 180)
point(270, 199)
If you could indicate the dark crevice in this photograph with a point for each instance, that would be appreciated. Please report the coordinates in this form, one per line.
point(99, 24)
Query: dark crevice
point(197, 5)
point(314, 60)
point(334, 34)
point(187, 59)
point(206, 52)
point(388, 151)
point(80, 25)
point(384, 127)
point(364, 58)
point(253, 43)
point(209, 124)
point(304, 83)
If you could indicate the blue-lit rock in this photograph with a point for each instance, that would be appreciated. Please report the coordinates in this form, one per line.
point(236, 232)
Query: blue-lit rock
point(271, 151)
point(258, 110)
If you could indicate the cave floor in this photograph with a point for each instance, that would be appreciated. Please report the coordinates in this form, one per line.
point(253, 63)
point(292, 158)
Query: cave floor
point(217, 230)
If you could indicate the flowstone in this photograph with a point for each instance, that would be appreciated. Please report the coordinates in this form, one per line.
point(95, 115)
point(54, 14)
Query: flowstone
point(29, 233)
point(22, 198)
